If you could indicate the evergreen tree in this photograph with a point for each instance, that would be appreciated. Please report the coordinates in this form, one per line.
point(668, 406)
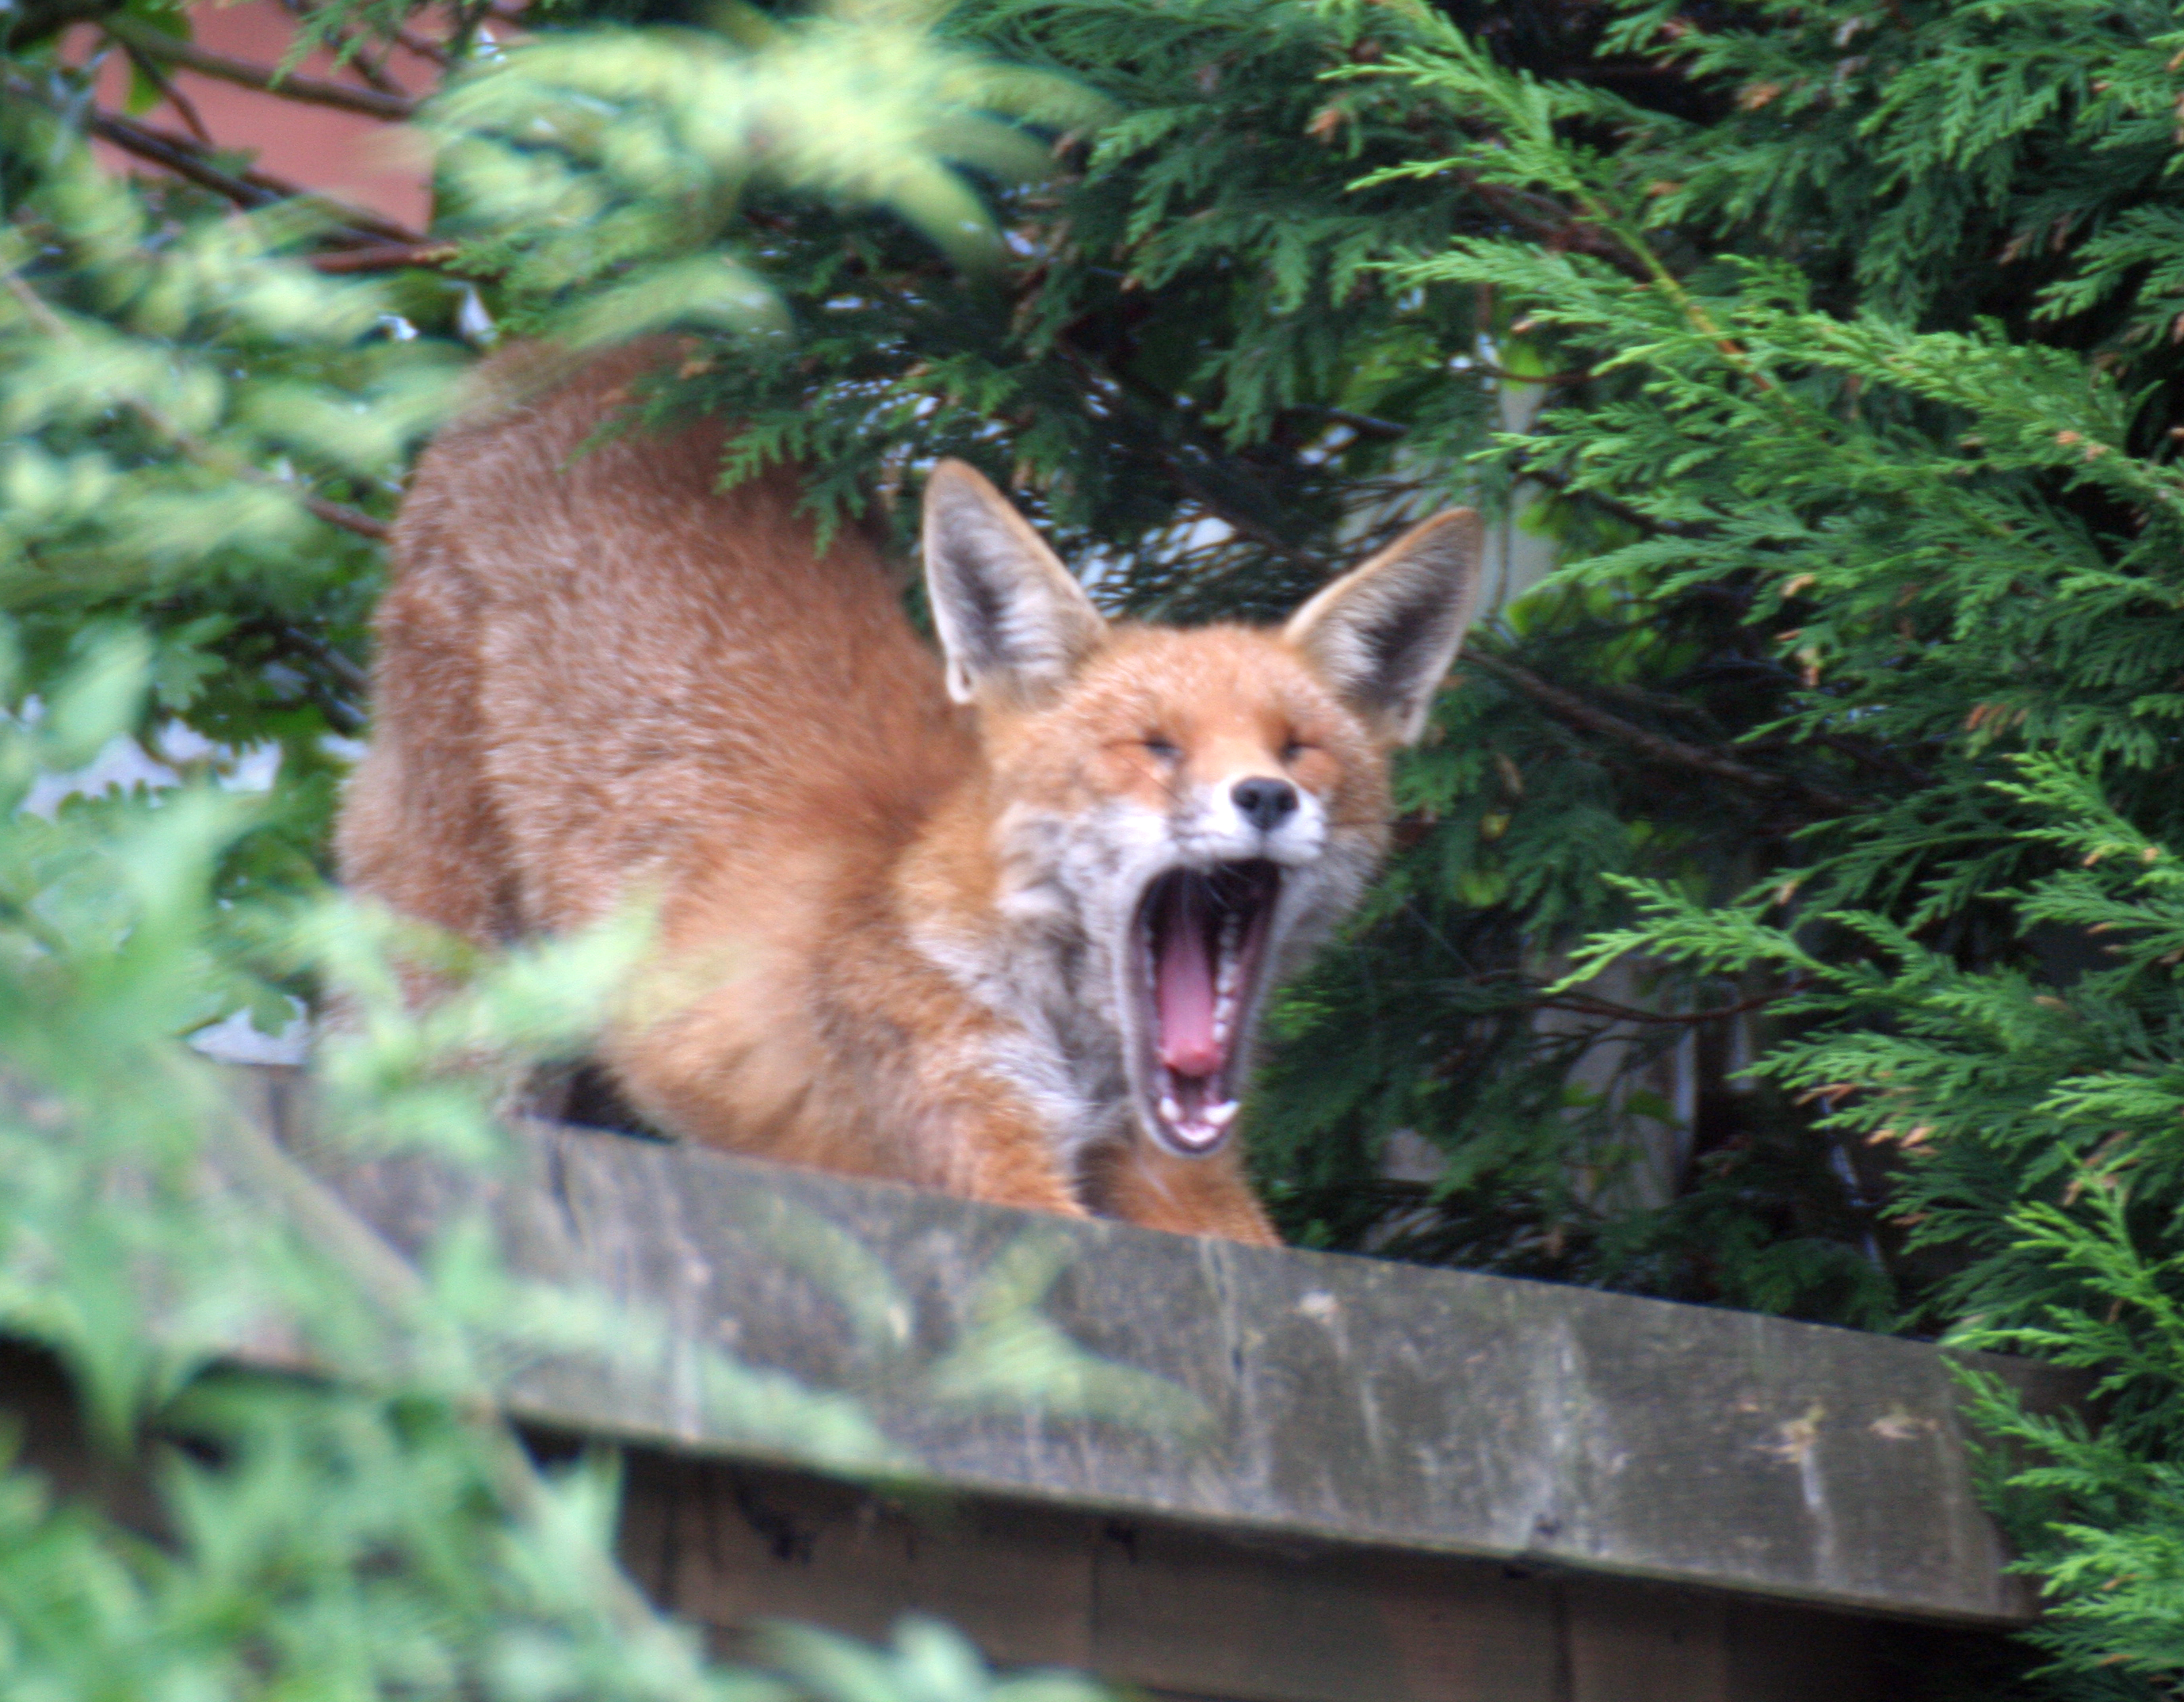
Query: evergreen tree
point(1847, 715)
point(204, 420)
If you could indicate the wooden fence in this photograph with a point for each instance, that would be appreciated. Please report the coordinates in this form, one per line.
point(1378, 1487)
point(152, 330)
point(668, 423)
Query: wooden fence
point(1219, 1471)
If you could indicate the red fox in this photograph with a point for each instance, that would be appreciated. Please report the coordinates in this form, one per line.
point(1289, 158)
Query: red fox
point(999, 921)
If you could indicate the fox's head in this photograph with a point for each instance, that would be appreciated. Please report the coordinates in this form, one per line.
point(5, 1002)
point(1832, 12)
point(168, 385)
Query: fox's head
point(1187, 811)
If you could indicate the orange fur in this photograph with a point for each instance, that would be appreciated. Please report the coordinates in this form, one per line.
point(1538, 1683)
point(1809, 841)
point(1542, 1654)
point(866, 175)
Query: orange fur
point(599, 676)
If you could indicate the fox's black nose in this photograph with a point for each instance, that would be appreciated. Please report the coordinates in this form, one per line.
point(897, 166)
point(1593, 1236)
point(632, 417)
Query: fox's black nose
point(1265, 803)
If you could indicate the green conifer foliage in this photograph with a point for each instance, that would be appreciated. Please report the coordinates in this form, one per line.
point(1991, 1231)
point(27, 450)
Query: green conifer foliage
point(1883, 354)
point(201, 432)
point(1844, 731)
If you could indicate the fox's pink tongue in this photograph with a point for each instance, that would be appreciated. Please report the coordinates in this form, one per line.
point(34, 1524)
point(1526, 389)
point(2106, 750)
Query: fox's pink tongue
point(1184, 989)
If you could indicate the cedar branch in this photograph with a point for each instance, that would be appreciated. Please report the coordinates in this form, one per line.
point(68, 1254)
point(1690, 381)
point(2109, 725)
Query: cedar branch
point(249, 74)
point(350, 51)
point(1580, 1005)
point(248, 189)
point(185, 107)
point(386, 256)
point(1573, 710)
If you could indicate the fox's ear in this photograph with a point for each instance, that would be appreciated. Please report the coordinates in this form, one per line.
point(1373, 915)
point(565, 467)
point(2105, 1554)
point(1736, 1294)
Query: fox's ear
point(1011, 617)
point(1383, 635)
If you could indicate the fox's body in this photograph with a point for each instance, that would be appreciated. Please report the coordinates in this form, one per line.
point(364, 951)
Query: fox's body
point(910, 901)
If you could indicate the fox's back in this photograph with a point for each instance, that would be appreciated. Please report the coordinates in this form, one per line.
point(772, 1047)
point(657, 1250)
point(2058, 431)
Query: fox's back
point(655, 673)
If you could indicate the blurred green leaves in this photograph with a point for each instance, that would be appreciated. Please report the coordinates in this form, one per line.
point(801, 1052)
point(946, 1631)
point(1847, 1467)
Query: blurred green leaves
point(385, 1534)
point(603, 172)
point(202, 436)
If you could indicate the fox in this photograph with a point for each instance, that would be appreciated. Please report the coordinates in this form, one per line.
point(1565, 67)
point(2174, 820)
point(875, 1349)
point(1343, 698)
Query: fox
point(998, 918)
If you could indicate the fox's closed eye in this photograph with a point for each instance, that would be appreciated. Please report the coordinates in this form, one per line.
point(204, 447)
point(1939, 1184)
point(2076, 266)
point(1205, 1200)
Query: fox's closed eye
point(1162, 749)
point(1294, 749)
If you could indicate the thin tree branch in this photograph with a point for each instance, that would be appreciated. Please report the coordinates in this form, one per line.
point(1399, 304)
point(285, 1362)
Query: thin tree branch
point(329, 681)
point(249, 74)
point(183, 105)
point(431, 51)
point(177, 157)
point(1581, 1005)
point(1561, 485)
point(468, 17)
point(1555, 224)
point(1877, 761)
point(1573, 710)
point(387, 256)
point(347, 673)
point(362, 219)
point(1090, 368)
point(333, 513)
point(251, 189)
point(1362, 424)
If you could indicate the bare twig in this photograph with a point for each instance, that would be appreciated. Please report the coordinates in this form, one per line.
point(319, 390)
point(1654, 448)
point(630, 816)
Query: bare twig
point(431, 51)
point(1573, 710)
point(386, 256)
point(317, 662)
point(333, 513)
point(250, 74)
point(1560, 484)
point(357, 217)
point(1583, 1006)
point(469, 16)
point(186, 159)
point(182, 105)
point(333, 684)
point(1180, 469)
point(347, 673)
point(177, 156)
point(1363, 424)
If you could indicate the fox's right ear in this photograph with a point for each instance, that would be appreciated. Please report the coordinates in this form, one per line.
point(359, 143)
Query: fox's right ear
point(1011, 620)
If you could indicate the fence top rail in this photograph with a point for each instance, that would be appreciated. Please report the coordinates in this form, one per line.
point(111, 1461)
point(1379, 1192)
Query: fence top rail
point(1275, 1393)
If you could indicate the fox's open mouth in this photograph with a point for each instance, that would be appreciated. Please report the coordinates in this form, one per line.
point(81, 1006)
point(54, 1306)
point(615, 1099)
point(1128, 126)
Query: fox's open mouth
point(1199, 954)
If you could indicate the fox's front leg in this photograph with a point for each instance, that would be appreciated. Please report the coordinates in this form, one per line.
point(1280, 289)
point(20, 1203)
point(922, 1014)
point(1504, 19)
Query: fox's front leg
point(989, 1146)
point(859, 1079)
point(1209, 1196)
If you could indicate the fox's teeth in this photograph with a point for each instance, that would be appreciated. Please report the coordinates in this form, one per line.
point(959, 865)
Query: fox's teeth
point(1232, 960)
point(1221, 1115)
point(1170, 1109)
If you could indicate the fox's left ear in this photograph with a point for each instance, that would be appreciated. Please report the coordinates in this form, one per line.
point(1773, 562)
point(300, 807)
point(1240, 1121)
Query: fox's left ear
point(1383, 634)
point(1011, 620)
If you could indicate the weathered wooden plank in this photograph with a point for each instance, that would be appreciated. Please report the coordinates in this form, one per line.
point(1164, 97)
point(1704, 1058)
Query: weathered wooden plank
point(1343, 1398)
point(1629, 1644)
point(1190, 1613)
point(1793, 1654)
point(726, 1547)
point(1179, 1610)
point(1185, 1613)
